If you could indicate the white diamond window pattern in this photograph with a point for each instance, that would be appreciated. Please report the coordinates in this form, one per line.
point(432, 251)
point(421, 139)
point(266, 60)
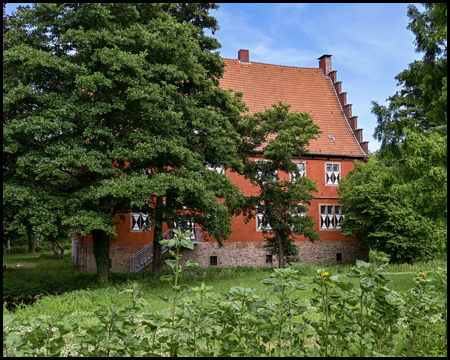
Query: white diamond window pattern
point(260, 218)
point(333, 174)
point(295, 211)
point(302, 171)
point(139, 221)
point(330, 217)
point(218, 169)
point(259, 173)
point(184, 226)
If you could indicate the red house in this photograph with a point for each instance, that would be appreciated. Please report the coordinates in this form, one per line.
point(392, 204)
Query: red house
point(331, 156)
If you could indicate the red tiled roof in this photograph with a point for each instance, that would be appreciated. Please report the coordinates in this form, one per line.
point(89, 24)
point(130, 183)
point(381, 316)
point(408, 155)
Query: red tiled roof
point(305, 89)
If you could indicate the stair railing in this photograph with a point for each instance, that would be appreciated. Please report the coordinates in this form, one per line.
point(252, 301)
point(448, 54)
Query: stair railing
point(145, 256)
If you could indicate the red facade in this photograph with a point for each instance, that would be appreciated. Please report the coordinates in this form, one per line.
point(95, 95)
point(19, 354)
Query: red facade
point(312, 90)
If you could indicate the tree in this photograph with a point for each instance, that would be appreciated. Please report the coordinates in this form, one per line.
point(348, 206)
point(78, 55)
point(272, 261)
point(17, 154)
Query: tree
point(398, 203)
point(421, 104)
point(281, 205)
point(123, 101)
point(402, 209)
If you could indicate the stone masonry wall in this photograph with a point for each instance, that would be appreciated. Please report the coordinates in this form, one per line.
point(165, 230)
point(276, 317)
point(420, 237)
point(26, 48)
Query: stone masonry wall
point(234, 254)
point(253, 253)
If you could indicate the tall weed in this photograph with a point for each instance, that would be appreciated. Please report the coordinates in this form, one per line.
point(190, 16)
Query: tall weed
point(352, 314)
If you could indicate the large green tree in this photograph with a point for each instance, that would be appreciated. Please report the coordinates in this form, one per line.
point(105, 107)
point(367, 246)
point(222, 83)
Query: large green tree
point(421, 104)
point(280, 205)
point(123, 101)
point(401, 208)
point(398, 203)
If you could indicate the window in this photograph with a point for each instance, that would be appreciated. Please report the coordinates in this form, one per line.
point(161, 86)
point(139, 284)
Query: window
point(269, 259)
point(139, 222)
point(330, 217)
point(339, 257)
point(294, 210)
point(301, 168)
point(259, 173)
point(260, 217)
point(332, 174)
point(184, 226)
point(213, 260)
point(218, 169)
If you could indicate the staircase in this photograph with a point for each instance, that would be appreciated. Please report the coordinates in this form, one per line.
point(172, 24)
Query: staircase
point(144, 257)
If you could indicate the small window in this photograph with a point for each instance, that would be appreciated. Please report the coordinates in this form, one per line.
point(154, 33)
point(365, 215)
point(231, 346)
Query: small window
point(218, 169)
point(260, 218)
point(330, 217)
point(139, 222)
point(332, 174)
point(330, 137)
point(339, 257)
point(265, 177)
point(269, 259)
point(213, 260)
point(301, 169)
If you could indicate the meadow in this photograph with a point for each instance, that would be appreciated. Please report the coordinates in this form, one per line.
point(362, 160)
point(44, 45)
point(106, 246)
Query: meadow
point(371, 309)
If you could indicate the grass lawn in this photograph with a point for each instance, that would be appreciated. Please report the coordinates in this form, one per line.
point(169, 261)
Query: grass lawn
point(44, 266)
point(43, 271)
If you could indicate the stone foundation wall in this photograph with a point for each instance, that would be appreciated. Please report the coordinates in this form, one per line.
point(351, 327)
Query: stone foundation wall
point(234, 254)
point(326, 252)
point(119, 255)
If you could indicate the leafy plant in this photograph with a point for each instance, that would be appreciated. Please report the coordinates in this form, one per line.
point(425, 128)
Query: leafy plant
point(178, 241)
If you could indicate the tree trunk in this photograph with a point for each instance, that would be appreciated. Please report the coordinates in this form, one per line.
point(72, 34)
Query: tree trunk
point(31, 239)
point(157, 236)
point(55, 244)
point(280, 250)
point(101, 255)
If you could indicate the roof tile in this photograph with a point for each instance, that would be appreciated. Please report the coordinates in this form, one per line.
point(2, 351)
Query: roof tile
point(305, 89)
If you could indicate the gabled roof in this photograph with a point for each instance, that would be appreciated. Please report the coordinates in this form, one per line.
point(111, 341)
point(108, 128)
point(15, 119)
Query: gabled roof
point(306, 90)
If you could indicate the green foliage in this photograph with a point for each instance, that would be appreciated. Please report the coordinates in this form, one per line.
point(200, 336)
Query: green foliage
point(340, 318)
point(399, 209)
point(421, 105)
point(424, 310)
point(108, 107)
point(277, 199)
point(398, 203)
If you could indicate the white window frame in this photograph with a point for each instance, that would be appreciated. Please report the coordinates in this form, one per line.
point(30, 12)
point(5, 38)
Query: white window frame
point(218, 169)
point(259, 173)
point(330, 216)
point(191, 227)
point(138, 220)
point(302, 172)
point(296, 213)
point(332, 176)
point(259, 218)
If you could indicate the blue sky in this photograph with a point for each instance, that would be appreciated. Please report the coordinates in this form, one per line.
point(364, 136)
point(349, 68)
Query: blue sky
point(369, 44)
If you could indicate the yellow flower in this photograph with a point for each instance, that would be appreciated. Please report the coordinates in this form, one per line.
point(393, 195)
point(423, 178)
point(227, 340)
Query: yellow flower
point(324, 277)
point(422, 275)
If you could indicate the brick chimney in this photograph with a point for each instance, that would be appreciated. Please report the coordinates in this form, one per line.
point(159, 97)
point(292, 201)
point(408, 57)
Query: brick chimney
point(243, 56)
point(325, 64)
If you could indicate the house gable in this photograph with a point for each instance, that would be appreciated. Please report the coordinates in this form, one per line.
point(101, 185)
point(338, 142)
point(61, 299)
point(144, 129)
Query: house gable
point(310, 90)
